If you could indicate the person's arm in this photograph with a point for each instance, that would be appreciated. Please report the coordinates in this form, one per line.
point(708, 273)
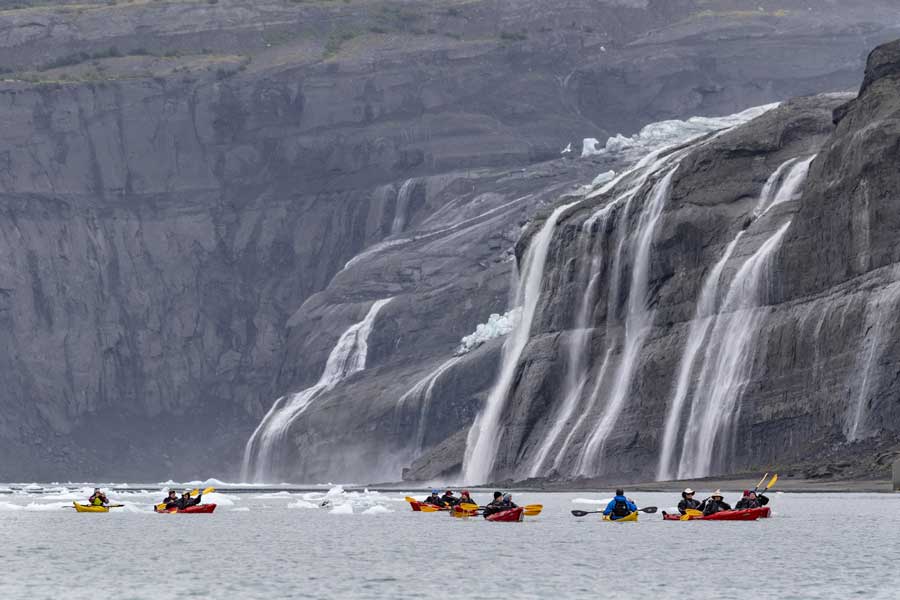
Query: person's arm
point(631, 505)
point(609, 507)
point(763, 500)
point(725, 506)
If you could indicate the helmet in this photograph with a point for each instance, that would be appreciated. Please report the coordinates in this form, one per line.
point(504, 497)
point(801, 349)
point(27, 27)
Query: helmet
point(435, 491)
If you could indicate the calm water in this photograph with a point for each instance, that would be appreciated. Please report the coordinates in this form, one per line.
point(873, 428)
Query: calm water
point(283, 546)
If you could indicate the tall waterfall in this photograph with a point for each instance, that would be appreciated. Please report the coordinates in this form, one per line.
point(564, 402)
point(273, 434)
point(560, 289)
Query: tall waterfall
point(401, 206)
point(727, 362)
point(484, 435)
point(703, 318)
point(263, 452)
point(422, 393)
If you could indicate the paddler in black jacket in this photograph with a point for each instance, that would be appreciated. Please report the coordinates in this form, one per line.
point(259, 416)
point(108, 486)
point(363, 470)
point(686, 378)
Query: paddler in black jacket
point(494, 506)
point(434, 499)
point(715, 504)
point(171, 500)
point(449, 499)
point(688, 501)
point(186, 500)
point(751, 500)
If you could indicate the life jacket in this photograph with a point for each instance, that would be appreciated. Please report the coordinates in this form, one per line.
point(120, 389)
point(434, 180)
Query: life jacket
point(621, 509)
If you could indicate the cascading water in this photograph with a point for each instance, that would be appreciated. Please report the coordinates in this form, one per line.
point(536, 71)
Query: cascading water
point(422, 393)
point(484, 438)
point(401, 207)
point(779, 188)
point(727, 361)
point(347, 357)
point(576, 374)
point(704, 316)
point(638, 320)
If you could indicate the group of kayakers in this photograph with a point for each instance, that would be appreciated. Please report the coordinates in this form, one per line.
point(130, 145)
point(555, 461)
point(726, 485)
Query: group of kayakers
point(716, 502)
point(500, 502)
point(172, 501)
point(448, 500)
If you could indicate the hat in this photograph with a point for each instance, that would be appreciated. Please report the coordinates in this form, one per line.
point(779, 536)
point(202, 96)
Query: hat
point(746, 492)
point(449, 492)
point(687, 491)
point(620, 492)
point(435, 491)
point(466, 492)
point(716, 494)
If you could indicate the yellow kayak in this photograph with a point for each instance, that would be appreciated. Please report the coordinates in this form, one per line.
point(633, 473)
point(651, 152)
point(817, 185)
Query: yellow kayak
point(89, 508)
point(629, 519)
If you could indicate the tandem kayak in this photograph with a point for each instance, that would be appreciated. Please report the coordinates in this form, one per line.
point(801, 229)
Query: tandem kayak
point(87, 508)
point(750, 514)
point(513, 515)
point(199, 509)
point(629, 519)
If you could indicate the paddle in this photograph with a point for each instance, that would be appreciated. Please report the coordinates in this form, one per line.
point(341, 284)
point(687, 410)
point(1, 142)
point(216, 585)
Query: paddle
point(527, 507)
point(581, 513)
point(104, 505)
point(691, 513)
point(194, 492)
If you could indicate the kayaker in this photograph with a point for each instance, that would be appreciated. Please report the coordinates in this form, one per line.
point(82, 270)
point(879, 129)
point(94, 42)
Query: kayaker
point(434, 499)
point(186, 500)
point(171, 501)
point(98, 498)
point(449, 499)
point(715, 504)
point(494, 506)
point(688, 501)
point(751, 499)
point(466, 498)
point(507, 502)
point(619, 506)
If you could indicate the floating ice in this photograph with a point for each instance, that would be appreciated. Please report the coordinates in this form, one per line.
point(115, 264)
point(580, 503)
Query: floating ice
point(496, 326)
point(301, 504)
point(342, 509)
point(377, 510)
point(219, 499)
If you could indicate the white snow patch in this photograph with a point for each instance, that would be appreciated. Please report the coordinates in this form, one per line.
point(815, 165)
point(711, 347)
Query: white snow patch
point(496, 326)
point(604, 177)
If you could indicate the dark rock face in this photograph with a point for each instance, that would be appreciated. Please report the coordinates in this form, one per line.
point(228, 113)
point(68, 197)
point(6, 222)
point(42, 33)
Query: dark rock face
point(820, 376)
point(182, 186)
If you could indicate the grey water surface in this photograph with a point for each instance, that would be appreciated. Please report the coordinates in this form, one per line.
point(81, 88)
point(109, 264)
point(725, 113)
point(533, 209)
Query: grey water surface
point(284, 545)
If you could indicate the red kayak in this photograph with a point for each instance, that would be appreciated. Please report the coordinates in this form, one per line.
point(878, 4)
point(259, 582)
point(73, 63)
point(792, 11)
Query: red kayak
point(513, 515)
point(199, 509)
point(750, 514)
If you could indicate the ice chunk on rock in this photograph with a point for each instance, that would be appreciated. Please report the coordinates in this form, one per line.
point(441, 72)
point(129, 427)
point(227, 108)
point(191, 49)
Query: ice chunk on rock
point(496, 326)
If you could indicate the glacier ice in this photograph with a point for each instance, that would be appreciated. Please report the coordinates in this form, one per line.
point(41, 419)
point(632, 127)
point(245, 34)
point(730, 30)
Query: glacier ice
point(496, 326)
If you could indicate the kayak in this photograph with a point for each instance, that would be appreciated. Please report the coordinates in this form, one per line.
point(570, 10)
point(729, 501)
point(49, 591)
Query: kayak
point(750, 514)
point(199, 509)
point(417, 506)
point(87, 508)
point(633, 517)
point(513, 515)
point(461, 512)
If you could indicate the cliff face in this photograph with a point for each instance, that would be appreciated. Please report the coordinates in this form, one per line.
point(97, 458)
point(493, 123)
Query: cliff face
point(179, 179)
point(758, 329)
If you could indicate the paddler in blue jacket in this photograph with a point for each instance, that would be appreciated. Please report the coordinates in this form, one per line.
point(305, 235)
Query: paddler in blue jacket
point(620, 506)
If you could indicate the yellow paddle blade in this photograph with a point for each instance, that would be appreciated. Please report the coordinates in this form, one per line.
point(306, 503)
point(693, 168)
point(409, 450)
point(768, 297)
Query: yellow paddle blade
point(537, 507)
point(690, 513)
point(533, 512)
point(771, 483)
point(409, 499)
point(160, 507)
point(209, 490)
point(467, 506)
point(425, 508)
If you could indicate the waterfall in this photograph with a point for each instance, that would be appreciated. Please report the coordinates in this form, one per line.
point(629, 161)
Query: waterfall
point(727, 361)
point(638, 320)
point(576, 373)
point(422, 392)
point(778, 189)
point(706, 308)
point(401, 206)
point(879, 315)
point(484, 435)
point(347, 357)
